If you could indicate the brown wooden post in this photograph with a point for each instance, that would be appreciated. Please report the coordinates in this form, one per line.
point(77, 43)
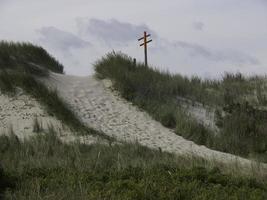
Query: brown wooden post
point(145, 45)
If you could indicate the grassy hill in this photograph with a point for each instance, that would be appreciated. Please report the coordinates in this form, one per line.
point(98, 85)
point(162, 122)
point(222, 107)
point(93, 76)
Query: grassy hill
point(42, 167)
point(239, 102)
point(25, 57)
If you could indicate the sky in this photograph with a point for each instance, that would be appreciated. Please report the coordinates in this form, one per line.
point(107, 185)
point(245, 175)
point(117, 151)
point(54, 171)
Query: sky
point(191, 37)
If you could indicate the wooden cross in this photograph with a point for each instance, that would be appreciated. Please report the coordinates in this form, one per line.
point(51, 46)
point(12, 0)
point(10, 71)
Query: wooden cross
point(146, 41)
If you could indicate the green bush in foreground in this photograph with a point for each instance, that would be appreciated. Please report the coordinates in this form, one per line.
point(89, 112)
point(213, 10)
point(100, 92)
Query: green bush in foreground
point(157, 92)
point(45, 168)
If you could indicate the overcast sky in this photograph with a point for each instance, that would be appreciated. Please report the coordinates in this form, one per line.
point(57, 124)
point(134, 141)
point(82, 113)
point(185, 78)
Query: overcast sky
point(192, 37)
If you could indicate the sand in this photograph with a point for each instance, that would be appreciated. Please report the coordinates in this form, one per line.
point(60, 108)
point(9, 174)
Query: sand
point(202, 114)
point(98, 106)
point(18, 113)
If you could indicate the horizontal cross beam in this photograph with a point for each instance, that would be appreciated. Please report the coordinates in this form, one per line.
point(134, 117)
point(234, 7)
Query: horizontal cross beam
point(144, 37)
point(146, 43)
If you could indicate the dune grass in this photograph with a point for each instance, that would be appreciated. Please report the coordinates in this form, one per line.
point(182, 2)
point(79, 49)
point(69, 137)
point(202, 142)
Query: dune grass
point(235, 97)
point(25, 57)
point(43, 167)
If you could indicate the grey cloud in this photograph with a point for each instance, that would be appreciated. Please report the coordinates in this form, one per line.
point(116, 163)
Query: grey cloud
point(5, 1)
point(232, 56)
point(263, 1)
point(112, 30)
point(199, 26)
point(61, 39)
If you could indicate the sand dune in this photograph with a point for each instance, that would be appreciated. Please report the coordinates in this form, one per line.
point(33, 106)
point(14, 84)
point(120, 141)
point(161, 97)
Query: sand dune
point(101, 108)
point(18, 113)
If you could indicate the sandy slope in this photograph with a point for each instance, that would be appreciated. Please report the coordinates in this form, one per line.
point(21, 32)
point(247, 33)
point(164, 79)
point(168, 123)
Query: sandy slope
point(99, 107)
point(19, 113)
point(203, 114)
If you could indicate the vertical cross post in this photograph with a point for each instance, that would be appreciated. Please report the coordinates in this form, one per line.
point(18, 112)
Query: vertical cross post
point(145, 47)
point(146, 41)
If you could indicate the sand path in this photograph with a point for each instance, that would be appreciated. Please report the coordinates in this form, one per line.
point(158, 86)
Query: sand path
point(18, 113)
point(100, 108)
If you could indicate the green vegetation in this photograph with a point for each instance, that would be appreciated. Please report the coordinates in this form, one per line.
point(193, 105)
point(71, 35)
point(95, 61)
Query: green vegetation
point(25, 57)
point(237, 100)
point(43, 167)
point(244, 130)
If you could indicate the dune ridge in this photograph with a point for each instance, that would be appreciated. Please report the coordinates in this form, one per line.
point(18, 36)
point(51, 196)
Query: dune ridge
point(100, 107)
